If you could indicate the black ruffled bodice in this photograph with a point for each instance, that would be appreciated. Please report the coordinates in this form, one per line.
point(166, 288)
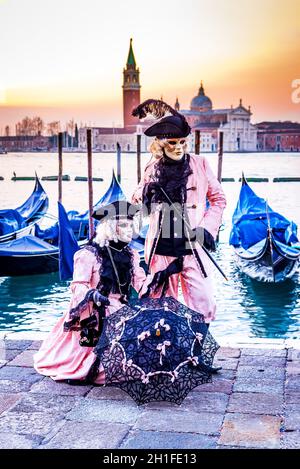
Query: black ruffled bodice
point(172, 176)
point(123, 260)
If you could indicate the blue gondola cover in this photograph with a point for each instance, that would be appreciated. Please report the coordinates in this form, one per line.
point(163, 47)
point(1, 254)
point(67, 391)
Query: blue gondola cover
point(67, 245)
point(25, 246)
point(34, 207)
point(250, 222)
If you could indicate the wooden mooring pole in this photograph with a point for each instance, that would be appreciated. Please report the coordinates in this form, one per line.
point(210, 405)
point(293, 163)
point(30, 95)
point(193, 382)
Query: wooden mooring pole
point(220, 156)
point(90, 180)
point(119, 163)
point(197, 142)
point(138, 156)
point(60, 165)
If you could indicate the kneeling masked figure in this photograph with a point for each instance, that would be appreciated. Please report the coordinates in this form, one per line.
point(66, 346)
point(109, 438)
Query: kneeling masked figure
point(104, 271)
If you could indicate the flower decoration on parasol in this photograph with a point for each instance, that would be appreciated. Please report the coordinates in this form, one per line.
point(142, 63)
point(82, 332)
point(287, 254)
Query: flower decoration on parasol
point(156, 349)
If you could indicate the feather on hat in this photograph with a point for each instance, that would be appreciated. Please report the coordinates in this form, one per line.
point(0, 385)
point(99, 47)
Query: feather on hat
point(172, 126)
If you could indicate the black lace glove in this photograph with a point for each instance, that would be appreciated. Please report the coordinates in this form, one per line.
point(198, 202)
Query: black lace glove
point(89, 334)
point(99, 299)
point(204, 237)
point(209, 242)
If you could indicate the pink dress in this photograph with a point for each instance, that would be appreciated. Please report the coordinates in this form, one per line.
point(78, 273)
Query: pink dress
point(61, 356)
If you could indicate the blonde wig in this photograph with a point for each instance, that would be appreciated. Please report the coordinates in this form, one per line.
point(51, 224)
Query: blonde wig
point(105, 232)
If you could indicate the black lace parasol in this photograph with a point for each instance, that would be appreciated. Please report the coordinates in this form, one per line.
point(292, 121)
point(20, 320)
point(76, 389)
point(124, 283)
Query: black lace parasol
point(156, 349)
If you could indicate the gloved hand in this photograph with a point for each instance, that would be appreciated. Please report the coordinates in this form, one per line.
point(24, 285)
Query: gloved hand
point(204, 237)
point(99, 299)
point(209, 242)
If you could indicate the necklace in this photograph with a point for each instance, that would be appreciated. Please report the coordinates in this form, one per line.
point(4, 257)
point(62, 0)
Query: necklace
point(115, 269)
point(118, 246)
point(119, 250)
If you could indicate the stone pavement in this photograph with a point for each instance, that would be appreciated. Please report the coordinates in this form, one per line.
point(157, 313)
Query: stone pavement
point(253, 403)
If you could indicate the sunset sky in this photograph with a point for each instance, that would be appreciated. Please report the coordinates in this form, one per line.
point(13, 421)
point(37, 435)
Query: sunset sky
point(64, 58)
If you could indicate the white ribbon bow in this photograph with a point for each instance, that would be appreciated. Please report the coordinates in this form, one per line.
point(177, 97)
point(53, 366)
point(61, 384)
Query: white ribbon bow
point(145, 379)
point(161, 323)
point(194, 360)
point(143, 335)
point(113, 344)
point(126, 364)
point(174, 376)
point(121, 322)
point(188, 316)
point(199, 336)
point(162, 348)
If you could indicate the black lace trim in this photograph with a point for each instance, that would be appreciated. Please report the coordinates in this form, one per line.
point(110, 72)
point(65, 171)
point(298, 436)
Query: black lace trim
point(75, 312)
point(123, 260)
point(93, 249)
point(173, 178)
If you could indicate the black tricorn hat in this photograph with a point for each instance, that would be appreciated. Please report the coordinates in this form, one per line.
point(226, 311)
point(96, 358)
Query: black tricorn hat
point(120, 209)
point(171, 126)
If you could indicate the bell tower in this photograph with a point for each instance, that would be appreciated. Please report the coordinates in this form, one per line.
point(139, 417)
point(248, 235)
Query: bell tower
point(131, 89)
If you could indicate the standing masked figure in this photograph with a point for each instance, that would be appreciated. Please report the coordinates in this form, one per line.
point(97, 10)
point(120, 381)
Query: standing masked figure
point(185, 202)
point(104, 271)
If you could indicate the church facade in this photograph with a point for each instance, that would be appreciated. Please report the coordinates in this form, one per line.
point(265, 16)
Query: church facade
point(235, 123)
point(238, 132)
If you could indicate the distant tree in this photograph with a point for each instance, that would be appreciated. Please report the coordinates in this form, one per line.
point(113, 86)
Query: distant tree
point(53, 128)
point(26, 126)
point(38, 125)
point(7, 131)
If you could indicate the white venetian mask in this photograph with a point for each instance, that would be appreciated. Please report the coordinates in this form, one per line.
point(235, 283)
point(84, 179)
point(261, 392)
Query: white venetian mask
point(175, 147)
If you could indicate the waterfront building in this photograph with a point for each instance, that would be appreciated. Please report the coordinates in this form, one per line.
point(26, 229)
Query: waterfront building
point(26, 143)
point(278, 136)
point(105, 139)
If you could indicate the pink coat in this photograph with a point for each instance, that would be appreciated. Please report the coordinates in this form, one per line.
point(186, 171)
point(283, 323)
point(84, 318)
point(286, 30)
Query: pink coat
point(60, 356)
point(202, 184)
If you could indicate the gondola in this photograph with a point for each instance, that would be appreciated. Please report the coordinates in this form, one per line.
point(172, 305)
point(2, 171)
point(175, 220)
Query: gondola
point(15, 223)
point(39, 253)
point(34, 255)
point(28, 255)
point(265, 242)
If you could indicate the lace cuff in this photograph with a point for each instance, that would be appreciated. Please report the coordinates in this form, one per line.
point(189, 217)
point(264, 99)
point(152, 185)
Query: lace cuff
point(75, 312)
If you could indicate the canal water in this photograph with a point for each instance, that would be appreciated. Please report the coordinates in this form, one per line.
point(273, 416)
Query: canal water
point(246, 309)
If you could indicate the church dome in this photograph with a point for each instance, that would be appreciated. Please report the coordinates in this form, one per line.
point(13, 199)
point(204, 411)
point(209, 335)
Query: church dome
point(201, 102)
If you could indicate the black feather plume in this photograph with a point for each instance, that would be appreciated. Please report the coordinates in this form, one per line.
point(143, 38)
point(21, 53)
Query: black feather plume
point(155, 107)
